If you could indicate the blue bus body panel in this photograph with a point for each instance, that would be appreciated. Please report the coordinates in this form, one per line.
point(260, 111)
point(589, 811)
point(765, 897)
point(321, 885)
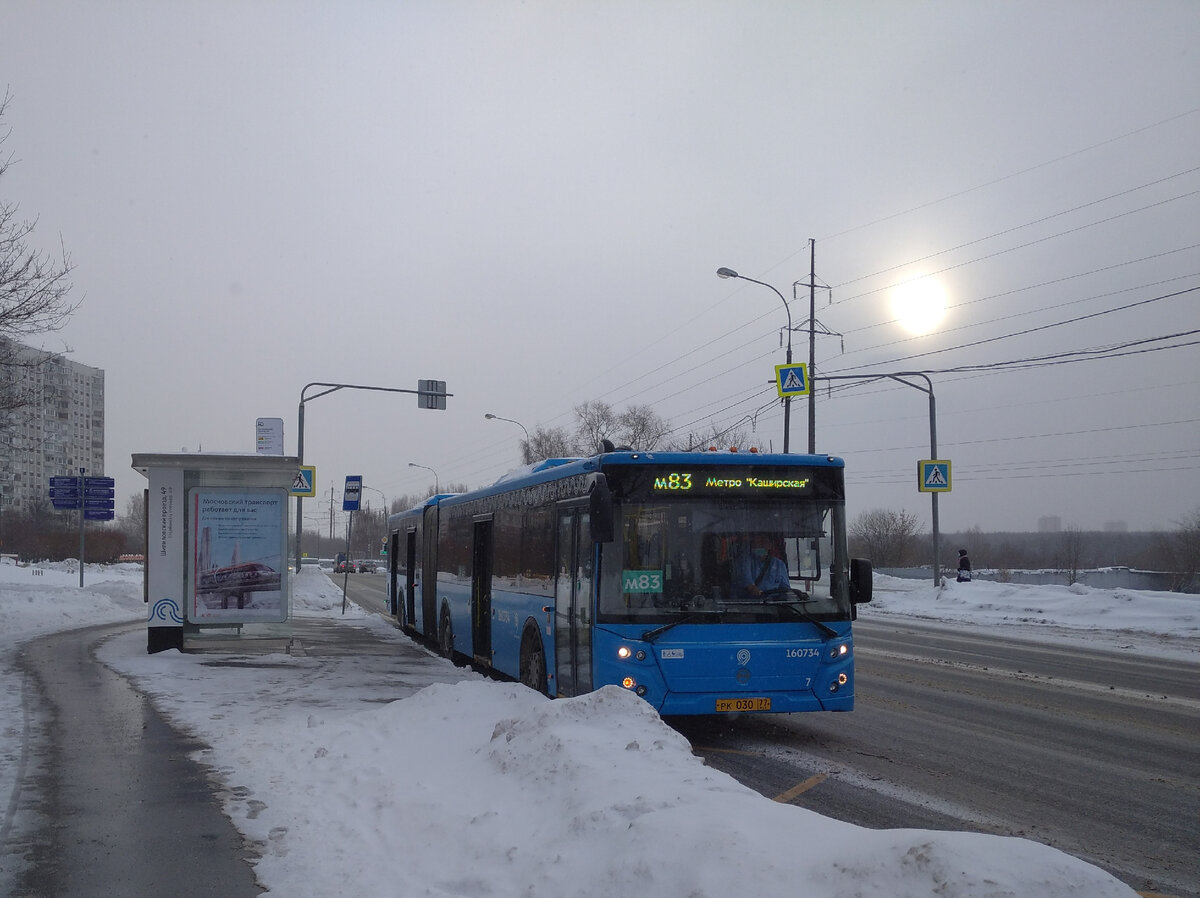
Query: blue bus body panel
point(687, 668)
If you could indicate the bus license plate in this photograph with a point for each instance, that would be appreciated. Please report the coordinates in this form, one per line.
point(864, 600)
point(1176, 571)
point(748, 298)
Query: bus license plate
point(743, 704)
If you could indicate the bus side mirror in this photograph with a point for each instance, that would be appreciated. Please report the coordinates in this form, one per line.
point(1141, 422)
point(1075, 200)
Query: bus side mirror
point(860, 581)
point(600, 509)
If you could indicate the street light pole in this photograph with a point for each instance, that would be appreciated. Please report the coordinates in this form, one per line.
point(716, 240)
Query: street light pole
point(787, 402)
point(933, 453)
point(436, 483)
point(528, 441)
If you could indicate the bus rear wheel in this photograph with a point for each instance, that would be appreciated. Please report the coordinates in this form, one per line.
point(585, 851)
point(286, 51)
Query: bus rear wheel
point(533, 662)
point(446, 636)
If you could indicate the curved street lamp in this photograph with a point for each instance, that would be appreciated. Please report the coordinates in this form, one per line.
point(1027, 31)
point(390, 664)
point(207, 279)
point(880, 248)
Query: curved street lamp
point(436, 485)
point(492, 417)
point(787, 402)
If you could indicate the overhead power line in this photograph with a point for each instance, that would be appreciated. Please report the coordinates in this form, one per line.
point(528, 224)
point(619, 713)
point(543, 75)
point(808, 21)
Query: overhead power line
point(1022, 333)
point(1028, 224)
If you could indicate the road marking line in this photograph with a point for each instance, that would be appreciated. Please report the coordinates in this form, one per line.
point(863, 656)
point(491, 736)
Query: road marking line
point(809, 783)
point(701, 749)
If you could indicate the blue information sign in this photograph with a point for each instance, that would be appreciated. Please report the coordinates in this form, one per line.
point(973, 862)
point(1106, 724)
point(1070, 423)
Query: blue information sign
point(95, 495)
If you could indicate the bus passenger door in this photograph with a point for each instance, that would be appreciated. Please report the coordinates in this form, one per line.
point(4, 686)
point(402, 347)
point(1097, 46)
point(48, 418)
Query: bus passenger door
point(395, 571)
point(481, 593)
point(411, 584)
point(572, 603)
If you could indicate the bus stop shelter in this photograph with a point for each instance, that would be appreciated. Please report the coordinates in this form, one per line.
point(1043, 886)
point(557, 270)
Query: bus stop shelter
point(216, 542)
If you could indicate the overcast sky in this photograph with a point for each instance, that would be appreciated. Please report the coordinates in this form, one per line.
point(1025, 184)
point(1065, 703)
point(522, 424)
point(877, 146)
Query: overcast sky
point(530, 201)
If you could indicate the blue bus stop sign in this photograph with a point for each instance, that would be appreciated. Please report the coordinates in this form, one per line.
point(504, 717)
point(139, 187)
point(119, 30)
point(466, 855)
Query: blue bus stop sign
point(353, 493)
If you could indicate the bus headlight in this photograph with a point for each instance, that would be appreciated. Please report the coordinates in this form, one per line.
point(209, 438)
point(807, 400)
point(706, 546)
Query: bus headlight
point(839, 651)
point(623, 652)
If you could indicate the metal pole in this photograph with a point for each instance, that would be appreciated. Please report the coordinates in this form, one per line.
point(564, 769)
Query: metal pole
point(787, 402)
point(300, 461)
point(812, 346)
point(332, 388)
point(933, 453)
point(346, 568)
point(82, 503)
point(899, 378)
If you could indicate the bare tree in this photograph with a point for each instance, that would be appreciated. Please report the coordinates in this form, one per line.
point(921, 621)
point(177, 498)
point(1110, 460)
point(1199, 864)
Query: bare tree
point(132, 524)
point(547, 442)
point(885, 536)
point(1185, 551)
point(1071, 548)
point(713, 438)
point(642, 428)
point(595, 421)
point(33, 290)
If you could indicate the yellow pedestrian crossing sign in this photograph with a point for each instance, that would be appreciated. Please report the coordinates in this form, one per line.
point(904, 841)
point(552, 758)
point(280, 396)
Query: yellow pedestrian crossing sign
point(933, 475)
point(791, 380)
point(305, 482)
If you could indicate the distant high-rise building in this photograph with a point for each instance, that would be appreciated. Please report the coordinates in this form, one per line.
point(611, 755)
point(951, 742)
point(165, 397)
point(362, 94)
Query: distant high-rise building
point(56, 428)
point(1050, 523)
point(1116, 527)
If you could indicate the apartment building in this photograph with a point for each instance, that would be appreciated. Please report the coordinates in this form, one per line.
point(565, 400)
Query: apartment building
point(56, 428)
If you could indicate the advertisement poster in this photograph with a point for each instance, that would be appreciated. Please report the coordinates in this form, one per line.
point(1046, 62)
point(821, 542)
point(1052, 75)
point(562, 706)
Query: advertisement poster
point(239, 555)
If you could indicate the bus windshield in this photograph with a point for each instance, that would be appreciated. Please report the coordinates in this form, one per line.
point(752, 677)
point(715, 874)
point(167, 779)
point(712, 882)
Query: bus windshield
point(724, 559)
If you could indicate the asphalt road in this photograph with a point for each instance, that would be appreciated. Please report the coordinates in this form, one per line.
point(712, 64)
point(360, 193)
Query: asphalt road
point(1095, 752)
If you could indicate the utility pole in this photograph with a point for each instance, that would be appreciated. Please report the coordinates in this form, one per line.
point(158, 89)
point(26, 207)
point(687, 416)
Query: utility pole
point(812, 346)
point(814, 327)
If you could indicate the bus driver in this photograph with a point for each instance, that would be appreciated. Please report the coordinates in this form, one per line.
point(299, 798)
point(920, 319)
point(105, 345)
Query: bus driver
point(758, 569)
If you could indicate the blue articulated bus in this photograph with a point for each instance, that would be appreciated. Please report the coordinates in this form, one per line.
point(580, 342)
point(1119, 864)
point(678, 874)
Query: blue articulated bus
point(705, 582)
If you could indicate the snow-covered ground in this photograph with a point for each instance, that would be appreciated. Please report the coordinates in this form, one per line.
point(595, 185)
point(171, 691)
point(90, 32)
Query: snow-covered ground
point(400, 774)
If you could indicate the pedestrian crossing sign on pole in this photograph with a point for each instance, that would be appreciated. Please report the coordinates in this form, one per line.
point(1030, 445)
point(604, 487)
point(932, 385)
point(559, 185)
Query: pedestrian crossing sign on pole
point(933, 475)
point(791, 380)
point(304, 484)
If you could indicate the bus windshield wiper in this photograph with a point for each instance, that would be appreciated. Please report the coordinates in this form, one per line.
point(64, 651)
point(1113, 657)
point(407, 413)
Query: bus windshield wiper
point(651, 635)
point(800, 612)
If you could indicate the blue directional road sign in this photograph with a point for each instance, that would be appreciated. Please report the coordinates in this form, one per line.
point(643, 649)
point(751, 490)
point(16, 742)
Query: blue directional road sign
point(933, 475)
point(93, 494)
point(98, 493)
point(65, 493)
point(792, 380)
point(353, 493)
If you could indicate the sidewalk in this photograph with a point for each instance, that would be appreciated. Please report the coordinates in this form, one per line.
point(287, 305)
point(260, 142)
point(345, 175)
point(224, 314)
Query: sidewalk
point(118, 805)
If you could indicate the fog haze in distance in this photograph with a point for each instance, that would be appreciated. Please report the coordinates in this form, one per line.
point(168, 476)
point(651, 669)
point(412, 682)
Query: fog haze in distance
point(530, 201)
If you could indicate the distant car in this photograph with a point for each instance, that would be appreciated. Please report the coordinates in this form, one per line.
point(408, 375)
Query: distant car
point(344, 567)
point(367, 566)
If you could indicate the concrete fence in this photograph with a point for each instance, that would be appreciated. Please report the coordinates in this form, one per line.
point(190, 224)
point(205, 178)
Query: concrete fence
point(1099, 578)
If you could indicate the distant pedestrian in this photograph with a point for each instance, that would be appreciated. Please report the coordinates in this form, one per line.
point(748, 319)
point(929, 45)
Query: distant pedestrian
point(964, 567)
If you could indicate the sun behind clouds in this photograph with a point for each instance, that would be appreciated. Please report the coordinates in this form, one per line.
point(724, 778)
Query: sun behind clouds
point(919, 305)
